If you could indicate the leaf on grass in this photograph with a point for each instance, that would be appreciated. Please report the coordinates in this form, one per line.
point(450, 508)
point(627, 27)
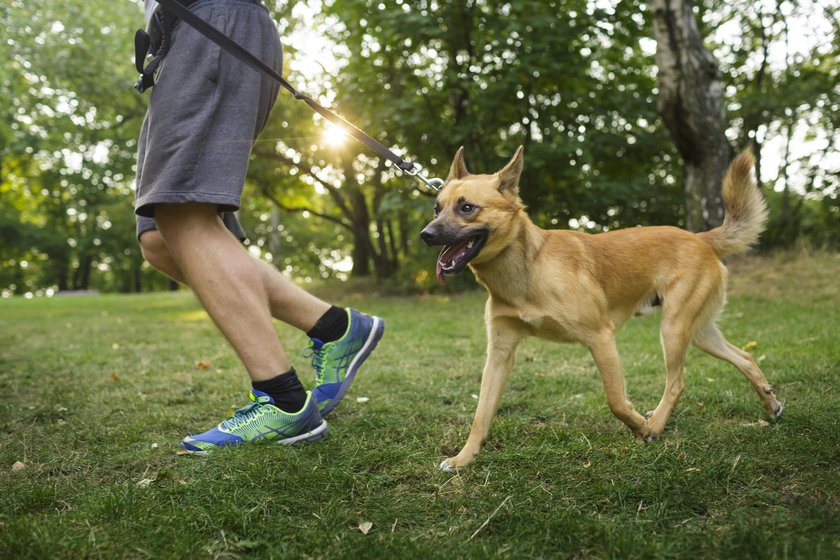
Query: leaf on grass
point(750, 345)
point(114, 377)
point(202, 364)
point(365, 527)
point(759, 424)
point(362, 399)
point(18, 466)
point(145, 482)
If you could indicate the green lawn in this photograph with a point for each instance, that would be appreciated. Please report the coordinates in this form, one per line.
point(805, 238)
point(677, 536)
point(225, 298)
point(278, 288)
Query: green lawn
point(96, 392)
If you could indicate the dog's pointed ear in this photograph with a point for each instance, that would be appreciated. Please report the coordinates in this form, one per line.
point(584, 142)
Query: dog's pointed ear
point(509, 176)
point(458, 170)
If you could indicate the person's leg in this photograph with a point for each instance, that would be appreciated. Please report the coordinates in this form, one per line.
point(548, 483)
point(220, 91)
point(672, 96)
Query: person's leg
point(156, 254)
point(281, 410)
point(226, 280)
point(341, 339)
point(287, 301)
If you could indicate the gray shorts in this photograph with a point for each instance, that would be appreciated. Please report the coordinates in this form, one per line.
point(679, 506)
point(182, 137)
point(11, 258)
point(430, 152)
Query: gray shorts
point(205, 112)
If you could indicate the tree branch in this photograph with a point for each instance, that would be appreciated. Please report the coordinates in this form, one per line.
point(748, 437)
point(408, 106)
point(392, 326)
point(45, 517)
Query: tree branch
point(334, 192)
point(300, 209)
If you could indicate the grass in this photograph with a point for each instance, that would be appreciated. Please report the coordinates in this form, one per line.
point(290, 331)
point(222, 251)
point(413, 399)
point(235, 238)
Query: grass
point(96, 392)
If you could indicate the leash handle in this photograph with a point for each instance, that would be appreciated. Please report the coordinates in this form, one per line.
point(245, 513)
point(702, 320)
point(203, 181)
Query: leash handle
point(251, 60)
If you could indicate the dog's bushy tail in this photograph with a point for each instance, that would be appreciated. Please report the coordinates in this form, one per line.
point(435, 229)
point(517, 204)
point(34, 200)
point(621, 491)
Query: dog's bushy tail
point(746, 210)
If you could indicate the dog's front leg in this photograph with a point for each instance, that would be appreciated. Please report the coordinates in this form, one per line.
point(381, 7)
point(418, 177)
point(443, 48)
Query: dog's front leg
point(502, 340)
point(604, 351)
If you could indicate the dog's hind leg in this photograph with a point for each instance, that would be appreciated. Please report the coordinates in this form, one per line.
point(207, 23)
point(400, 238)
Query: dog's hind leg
point(604, 351)
point(674, 335)
point(688, 303)
point(711, 340)
point(502, 340)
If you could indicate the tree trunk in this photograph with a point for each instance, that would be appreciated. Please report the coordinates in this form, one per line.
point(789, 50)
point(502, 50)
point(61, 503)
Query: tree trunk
point(363, 249)
point(81, 276)
point(361, 253)
point(691, 104)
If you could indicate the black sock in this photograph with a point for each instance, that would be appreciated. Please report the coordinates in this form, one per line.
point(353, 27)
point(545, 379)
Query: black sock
point(331, 326)
point(285, 389)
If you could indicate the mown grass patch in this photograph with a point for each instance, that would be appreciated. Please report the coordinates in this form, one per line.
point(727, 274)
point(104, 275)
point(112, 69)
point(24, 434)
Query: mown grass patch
point(95, 394)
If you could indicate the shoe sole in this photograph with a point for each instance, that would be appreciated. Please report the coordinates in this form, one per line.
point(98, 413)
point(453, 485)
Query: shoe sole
point(320, 432)
point(313, 435)
point(373, 339)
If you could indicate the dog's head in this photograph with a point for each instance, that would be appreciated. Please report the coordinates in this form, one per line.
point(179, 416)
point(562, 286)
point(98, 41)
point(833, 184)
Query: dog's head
point(474, 215)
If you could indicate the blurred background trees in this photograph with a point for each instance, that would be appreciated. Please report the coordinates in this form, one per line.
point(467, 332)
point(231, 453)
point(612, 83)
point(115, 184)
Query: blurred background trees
point(575, 81)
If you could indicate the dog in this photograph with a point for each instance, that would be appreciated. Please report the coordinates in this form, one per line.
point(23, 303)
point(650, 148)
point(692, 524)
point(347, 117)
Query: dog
point(569, 286)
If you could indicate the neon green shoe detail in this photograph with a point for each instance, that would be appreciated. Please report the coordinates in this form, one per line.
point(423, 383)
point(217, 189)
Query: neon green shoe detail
point(337, 362)
point(262, 421)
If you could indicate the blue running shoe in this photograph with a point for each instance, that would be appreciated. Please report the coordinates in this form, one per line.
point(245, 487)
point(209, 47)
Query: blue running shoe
point(262, 421)
point(337, 362)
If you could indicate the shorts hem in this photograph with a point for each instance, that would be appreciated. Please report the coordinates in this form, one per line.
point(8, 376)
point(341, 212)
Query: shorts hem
point(146, 206)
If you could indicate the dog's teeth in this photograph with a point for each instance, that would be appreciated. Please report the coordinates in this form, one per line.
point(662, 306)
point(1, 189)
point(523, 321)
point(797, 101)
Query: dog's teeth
point(470, 244)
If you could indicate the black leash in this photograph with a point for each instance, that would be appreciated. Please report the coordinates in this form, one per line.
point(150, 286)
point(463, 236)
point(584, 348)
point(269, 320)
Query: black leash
point(248, 58)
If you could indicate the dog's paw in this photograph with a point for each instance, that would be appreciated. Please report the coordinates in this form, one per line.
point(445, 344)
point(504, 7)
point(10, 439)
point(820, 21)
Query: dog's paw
point(446, 466)
point(454, 464)
point(645, 438)
point(645, 433)
point(777, 413)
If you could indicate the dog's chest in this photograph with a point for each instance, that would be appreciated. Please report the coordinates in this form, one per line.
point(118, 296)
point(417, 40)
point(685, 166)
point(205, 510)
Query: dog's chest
point(543, 326)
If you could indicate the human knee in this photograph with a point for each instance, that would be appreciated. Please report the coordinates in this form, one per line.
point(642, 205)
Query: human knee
point(153, 248)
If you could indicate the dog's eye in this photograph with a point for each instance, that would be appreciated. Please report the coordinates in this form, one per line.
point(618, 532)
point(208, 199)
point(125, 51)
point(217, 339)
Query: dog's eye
point(467, 208)
point(437, 210)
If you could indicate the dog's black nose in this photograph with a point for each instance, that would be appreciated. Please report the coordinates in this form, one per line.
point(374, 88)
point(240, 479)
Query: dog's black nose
point(428, 235)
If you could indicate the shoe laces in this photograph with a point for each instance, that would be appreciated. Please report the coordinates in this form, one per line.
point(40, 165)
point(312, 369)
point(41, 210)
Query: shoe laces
point(244, 415)
point(317, 351)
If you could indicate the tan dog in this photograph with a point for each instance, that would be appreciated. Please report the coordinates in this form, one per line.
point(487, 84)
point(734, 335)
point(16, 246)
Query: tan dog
point(570, 286)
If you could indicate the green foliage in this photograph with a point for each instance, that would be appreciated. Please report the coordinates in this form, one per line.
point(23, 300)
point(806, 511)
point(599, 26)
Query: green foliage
point(569, 82)
point(782, 66)
point(68, 144)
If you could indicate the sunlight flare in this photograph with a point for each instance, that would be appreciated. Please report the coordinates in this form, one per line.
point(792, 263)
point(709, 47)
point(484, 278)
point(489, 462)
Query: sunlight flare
point(333, 135)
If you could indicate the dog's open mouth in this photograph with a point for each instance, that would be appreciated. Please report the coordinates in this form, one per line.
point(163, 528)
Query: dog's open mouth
point(453, 258)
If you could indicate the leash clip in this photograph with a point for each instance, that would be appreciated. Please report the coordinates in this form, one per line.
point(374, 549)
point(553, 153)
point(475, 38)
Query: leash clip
point(434, 183)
